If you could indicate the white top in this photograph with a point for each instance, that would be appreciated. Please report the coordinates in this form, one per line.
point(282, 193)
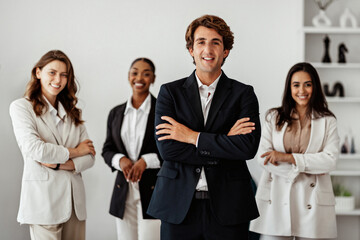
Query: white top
point(132, 134)
point(206, 96)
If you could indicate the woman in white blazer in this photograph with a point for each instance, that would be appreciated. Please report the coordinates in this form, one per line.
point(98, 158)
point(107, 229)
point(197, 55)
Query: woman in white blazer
point(55, 147)
point(299, 147)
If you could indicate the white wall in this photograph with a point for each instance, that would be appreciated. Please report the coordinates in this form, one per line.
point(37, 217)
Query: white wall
point(102, 38)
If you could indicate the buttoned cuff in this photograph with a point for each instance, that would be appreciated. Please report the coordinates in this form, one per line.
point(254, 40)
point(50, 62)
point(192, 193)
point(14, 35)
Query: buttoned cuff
point(115, 162)
point(152, 160)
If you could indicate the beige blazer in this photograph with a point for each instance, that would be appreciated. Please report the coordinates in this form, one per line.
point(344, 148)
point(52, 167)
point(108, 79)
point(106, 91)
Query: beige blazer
point(46, 194)
point(298, 200)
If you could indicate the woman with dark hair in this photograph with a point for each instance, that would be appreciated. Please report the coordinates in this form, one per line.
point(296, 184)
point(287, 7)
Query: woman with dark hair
point(131, 151)
point(299, 147)
point(55, 146)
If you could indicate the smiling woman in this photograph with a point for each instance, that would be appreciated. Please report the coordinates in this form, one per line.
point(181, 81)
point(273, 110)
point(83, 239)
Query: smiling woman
point(56, 149)
point(299, 147)
point(130, 150)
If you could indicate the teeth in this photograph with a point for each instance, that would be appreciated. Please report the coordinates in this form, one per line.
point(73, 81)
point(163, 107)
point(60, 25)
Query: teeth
point(139, 84)
point(208, 58)
point(55, 86)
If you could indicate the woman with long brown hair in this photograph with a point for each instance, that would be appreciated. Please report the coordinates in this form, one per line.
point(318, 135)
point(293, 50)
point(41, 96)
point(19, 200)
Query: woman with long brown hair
point(55, 147)
point(299, 147)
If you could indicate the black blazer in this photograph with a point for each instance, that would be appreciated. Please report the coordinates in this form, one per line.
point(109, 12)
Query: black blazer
point(114, 144)
point(223, 157)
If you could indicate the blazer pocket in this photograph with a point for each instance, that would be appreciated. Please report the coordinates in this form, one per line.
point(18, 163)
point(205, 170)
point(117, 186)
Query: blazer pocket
point(34, 171)
point(325, 198)
point(263, 194)
point(167, 172)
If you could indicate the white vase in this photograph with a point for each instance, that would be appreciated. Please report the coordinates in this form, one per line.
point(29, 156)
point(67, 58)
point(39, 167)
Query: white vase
point(347, 16)
point(344, 203)
point(321, 20)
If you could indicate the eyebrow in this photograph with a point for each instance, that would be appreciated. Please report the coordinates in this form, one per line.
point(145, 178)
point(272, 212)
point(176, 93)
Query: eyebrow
point(51, 69)
point(299, 82)
point(214, 39)
point(134, 68)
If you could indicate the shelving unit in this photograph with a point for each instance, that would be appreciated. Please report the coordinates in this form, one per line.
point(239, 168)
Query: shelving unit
point(346, 109)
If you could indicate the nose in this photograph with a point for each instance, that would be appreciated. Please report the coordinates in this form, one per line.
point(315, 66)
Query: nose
point(57, 78)
point(208, 48)
point(301, 89)
point(139, 76)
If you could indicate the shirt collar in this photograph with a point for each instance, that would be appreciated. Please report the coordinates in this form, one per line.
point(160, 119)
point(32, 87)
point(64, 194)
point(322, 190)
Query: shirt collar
point(212, 86)
point(60, 112)
point(145, 106)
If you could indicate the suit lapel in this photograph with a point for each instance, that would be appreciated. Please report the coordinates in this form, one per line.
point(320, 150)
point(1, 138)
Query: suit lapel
point(117, 123)
point(220, 95)
point(49, 122)
point(191, 92)
point(67, 128)
point(317, 135)
point(149, 131)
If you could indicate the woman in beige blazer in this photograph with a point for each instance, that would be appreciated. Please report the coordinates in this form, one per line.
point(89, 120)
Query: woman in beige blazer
point(55, 147)
point(299, 147)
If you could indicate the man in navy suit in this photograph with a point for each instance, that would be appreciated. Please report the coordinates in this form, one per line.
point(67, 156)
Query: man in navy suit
point(207, 127)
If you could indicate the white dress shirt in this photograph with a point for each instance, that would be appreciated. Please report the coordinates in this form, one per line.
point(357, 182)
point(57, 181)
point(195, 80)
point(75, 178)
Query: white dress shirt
point(58, 116)
point(206, 96)
point(132, 134)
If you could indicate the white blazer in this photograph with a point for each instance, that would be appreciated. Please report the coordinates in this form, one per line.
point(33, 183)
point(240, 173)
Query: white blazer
point(298, 200)
point(46, 194)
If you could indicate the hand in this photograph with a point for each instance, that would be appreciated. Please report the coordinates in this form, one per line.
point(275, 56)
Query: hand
point(137, 170)
point(176, 131)
point(126, 165)
point(49, 165)
point(68, 165)
point(84, 148)
point(274, 157)
point(242, 126)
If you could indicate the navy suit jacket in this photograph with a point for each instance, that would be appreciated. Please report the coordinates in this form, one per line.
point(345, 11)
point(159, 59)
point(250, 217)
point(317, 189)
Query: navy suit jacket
point(114, 144)
point(223, 157)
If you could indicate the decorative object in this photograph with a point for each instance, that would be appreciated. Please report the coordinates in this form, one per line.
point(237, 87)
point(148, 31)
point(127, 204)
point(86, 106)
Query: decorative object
point(345, 146)
point(344, 201)
point(326, 58)
point(337, 90)
point(321, 20)
point(352, 148)
point(347, 16)
point(342, 49)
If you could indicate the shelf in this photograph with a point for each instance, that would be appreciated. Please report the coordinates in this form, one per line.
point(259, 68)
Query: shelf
point(353, 173)
point(331, 30)
point(349, 156)
point(336, 65)
point(343, 99)
point(355, 212)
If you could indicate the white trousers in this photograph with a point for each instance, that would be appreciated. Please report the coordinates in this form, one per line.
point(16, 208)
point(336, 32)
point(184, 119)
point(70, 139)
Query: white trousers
point(133, 226)
point(70, 230)
point(268, 237)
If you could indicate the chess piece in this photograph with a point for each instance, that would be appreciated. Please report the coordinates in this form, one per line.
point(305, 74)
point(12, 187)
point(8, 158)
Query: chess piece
point(342, 49)
point(326, 58)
